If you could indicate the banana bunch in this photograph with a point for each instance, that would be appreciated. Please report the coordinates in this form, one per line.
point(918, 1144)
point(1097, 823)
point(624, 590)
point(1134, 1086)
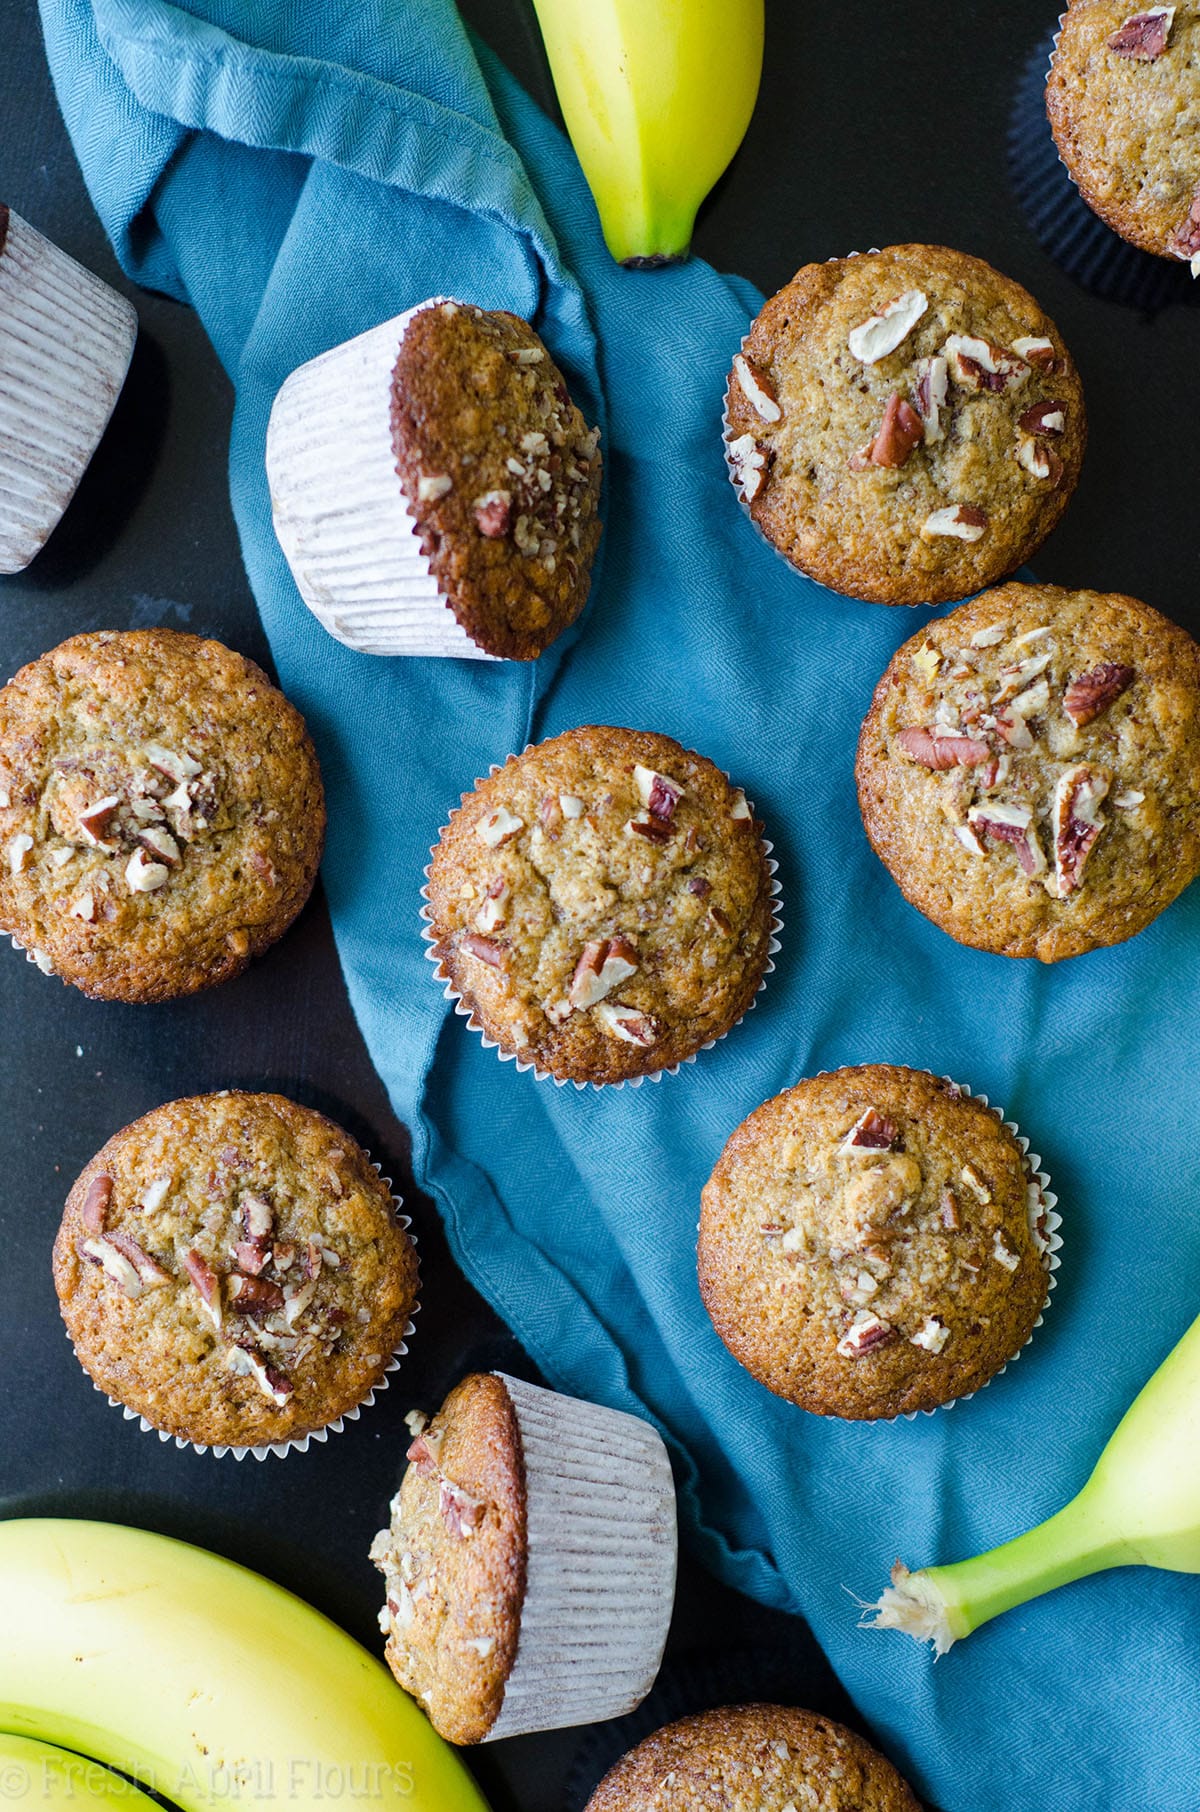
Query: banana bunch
point(33, 1773)
point(205, 1682)
point(657, 95)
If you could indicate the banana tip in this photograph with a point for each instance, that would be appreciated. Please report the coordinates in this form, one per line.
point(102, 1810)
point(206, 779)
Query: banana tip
point(656, 261)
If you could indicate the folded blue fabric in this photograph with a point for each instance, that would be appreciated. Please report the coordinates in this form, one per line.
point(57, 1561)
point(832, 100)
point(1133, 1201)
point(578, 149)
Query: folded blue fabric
point(298, 173)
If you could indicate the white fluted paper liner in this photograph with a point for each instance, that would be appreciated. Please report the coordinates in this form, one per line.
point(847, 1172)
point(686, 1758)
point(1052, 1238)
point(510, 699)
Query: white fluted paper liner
point(1042, 1200)
point(298, 1443)
point(523, 1063)
point(601, 1560)
point(66, 340)
point(339, 509)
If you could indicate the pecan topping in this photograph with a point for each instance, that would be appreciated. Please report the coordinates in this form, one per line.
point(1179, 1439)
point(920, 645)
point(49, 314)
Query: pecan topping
point(493, 513)
point(1044, 418)
point(252, 1257)
point(461, 1513)
point(1039, 461)
point(751, 464)
point(246, 1359)
point(486, 949)
point(94, 820)
point(95, 1204)
point(978, 365)
point(932, 1335)
point(424, 1456)
point(1035, 349)
point(939, 751)
point(882, 333)
point(872, 1131)
point(1092, 693)
point(865, 1333)
point(1011, 824)
point(433, 486)
point(900, 431)
point(932, 389)
point(20, 848)
point(699, 886)
point(659, 795)
point(949, 1211)
point(757, 388)
point(145, 877)
point(1143, 37)
point(1003, 1253)
point(655, 830)
point(150, 1273)
point(962, 520)
point(160, 843)
point(1185, 240)
point(1078, 822)
point(254, 1296)
point(627, 1024)
point(603, 966)
point(208, 1284)
point(497, 827)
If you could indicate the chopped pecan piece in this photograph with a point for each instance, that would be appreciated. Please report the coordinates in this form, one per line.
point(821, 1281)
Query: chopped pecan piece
point(603, 966)
point(208, 1285)
point(1185, 240)
point(949, 1211)
point(978, 365)
point(1143, 36)
point(1037, 350)
point(1078, 822)
point(941, 751)
point(486, 949)
point(1003, 1253)
point(252, 1256)
point(900, 431)
point(880, 334)
point(20, 848)
point(160, 843)
point(95, 1204)
point(151, 1274)
point(1092, 693)
point(254, 1296)
point(1040, 462)
point(655, 830)
point(1012, 824)
point(699, 886)
point(757, 388)
point(145, 877)
point(423, 1454)
point(461, 1513)
point(932, 1335)
point(872, 1131)
point(931, 393)
point(963, 521)
point(94, 820)
point(864, 1335)
point(1044, 418)
point(627, 1024)
point(498, 826)
point(659, 795)
point(246, 1359)
point(493, 514)
point(750, 462)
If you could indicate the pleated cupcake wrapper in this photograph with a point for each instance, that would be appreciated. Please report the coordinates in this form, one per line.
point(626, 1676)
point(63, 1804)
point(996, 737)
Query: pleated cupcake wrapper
point(340, 513)
point(298, 1443)
point(467, 1012)
point(1039, 1180)
point(66, 340)
point(601, 1560)
point(1085, 246)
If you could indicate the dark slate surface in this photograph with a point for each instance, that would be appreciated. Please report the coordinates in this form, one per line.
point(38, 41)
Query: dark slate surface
point(877, 123)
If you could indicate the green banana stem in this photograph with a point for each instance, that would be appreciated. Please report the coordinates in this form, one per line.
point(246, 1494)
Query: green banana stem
point(1141, 1507)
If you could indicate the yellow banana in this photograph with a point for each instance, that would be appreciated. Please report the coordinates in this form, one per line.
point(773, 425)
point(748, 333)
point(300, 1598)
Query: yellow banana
point(1141, 1507)
point(36, 1774)
point(204, 1681)
point(657, 95)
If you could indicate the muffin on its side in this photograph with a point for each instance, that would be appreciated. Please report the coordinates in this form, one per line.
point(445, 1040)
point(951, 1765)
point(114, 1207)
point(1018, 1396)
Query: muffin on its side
point(231, 1268)
point(874, 1242)
point(905, 426)
point(530, 1561)
point(1029, 770)
point(753, 1758)
point(435, 489)
point(161, 813)
point(1124, 104)
point(602, 904)
point(66, 341)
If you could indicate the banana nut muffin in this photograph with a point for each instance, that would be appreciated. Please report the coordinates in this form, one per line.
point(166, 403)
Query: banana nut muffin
point(1029, 770)
point(1124, 103)
point(231, 1268)
point(530, 1561)
point(161, 813)
point(602, 903)
point(904, 426)
point(873, 1241)
point(435, 489)
point(753, 1758)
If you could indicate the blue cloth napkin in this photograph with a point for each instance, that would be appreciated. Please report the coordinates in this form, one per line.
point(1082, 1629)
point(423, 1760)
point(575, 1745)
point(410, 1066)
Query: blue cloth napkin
point(300, 171)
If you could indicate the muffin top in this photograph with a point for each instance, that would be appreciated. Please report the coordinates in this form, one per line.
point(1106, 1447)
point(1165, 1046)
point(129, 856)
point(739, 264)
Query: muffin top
point(161, 812)
point(753, 1758)
point(1124, 104)
point(454, 1559)
point(905, 426)
point(1029, 769)
point(501, 473)
point(231, 1267)
point(603, 904)
point(873, 1242)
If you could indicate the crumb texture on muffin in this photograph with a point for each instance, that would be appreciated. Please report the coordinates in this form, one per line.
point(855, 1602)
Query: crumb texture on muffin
point(753, 1758)
point(1124, 103)
point(1029, 770)
point(905, 426)
point(231, 1268)
point(603, 904)
point(161, 812)
point(501, 473)
point(454, 1559)
point(872, 1242)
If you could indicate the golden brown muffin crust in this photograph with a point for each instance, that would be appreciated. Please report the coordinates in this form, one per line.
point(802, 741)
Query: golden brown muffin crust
point(871, 1243)
point(1029, 770)
point(230, 1267)
point(161, 812)
point(454, 1557)
point(501, 472)
point(603, 904)
point(812, 411)
point(1124, 104)
point(753, 1758)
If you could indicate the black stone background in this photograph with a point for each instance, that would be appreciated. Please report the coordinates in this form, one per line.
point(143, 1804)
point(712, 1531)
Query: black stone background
point(879, 121)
